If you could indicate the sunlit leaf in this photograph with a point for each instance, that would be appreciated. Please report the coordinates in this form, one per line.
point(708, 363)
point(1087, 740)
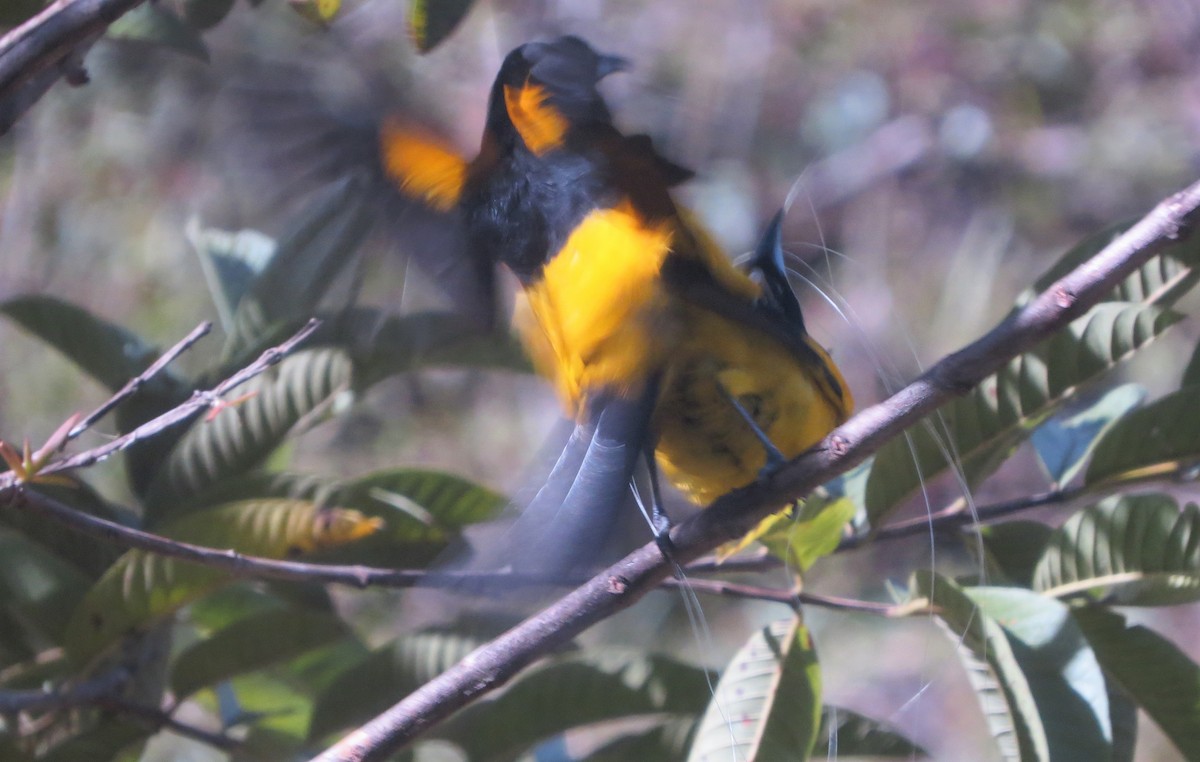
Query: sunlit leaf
point(1162, 434)
point(252, 643)
point(1159, 677)
point(1063, 443)
point(1138, 550)
point(142, 588)
point(767, 704)
point(431, 21)
point(980, 430)
point(157, 24)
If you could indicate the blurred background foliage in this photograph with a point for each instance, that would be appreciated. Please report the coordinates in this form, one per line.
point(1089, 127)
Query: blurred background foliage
point(941, 155)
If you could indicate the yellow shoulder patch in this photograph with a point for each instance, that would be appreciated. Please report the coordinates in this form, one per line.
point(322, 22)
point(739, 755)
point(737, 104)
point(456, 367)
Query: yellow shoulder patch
point(538, 123)
point(422, 167)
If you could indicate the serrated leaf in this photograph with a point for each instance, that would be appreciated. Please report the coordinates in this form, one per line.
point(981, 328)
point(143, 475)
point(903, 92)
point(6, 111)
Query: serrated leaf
point(1159, 677)
point(253, 643)
point(845, 733)
point(1063, 673)
point(385, 676)
point(1162, 434)
point(1063, 443)
point(155, 23)
point(318, 243)
point(239, 438)
point(142, 588)
point(420, 504)
point(1013, 548)
point(767, 704)
point(1134, 551)
point(1161, 280)
point(575, 690)
point(431, 21)
point(105, 351)
point(1000, 686)
point(981, 429)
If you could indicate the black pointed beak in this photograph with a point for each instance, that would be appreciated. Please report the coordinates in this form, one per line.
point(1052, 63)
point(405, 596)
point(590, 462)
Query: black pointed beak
point(606, 65)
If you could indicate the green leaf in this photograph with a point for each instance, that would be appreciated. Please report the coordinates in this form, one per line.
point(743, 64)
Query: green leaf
point(845, 733)
point(253, 643)
point(105, 351)
point(1133, 551)
point(813, 534)
point(84, 553)
point(418, 504)
point(142, 588)
point(241, 437)
point(155, 23)
point(1013, 548)
point(39, 589)
point(1063, 443)
point(767, 704)
point(1004, 693)
point(384, 677)
point(576, 690)
point(1159, 677)
point(1159, 435)
point(1161, 280)
point(984, 427)
point(319, 242)
point(665, 741)
point(231, 261)
point(1062, 672)
point(431, 21)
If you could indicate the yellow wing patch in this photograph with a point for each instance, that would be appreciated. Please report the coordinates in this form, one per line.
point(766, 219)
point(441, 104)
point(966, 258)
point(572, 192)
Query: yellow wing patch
point(600, 318)
point(538, 123)
point(422, 167)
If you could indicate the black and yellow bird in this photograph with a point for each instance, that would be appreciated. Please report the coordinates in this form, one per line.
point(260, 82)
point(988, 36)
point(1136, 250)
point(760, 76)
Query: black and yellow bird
point(658, 346)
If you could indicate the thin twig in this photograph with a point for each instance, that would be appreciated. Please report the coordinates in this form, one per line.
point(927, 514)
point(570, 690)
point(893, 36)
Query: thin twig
point(199, 400)
point(48, 46)
point(734, 514)
point(132, 386)
point(87, 692)
point(159, 719)
point(790, 598)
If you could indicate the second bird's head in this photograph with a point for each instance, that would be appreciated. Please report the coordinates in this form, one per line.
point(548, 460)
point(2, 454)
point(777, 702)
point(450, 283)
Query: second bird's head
point(544, 89)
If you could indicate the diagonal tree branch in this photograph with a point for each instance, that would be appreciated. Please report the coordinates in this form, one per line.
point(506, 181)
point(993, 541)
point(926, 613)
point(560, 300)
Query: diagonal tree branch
point(734, 514)
point(49, 45)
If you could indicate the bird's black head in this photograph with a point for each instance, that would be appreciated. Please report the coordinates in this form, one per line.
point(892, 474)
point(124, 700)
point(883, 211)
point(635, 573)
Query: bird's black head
point(545, 88)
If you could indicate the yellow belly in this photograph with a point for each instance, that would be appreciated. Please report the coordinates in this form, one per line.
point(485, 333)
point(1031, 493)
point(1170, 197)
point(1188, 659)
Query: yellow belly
point(705, 448)
point(600, 319)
